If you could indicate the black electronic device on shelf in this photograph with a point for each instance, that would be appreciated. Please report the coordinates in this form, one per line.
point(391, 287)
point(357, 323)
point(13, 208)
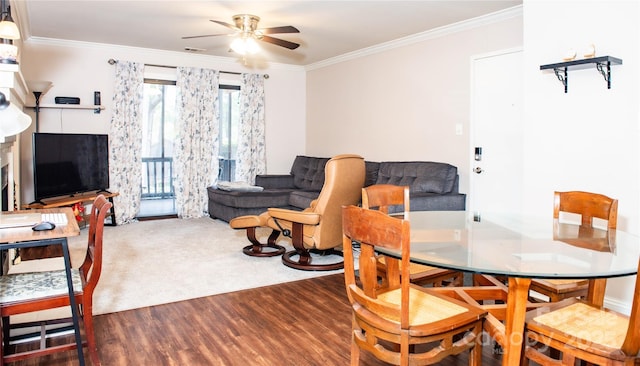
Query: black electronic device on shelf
point(67, 100)
point(67, 164)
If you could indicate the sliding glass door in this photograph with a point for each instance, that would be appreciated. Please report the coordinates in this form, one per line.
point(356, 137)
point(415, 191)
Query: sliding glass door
point(229, 107)
point(158, 135)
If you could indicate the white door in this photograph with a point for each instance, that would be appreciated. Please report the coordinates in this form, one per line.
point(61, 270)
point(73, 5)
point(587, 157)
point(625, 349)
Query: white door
point(496, 129)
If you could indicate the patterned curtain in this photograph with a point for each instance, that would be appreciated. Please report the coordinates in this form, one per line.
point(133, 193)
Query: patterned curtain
point(251, 155)
point(196, 143)
point(125, 139)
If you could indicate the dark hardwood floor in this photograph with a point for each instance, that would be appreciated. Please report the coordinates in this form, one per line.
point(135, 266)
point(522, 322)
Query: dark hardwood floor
point(299, 323)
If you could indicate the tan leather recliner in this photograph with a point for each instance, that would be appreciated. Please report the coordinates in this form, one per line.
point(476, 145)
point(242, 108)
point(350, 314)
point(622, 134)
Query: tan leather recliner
point(319, 227)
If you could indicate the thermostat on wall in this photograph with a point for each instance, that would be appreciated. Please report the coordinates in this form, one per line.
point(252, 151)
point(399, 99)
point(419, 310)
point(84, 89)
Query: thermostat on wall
point(67, 100)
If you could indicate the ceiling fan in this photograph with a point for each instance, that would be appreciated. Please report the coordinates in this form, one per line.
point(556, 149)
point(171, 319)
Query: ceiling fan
point(247, 33)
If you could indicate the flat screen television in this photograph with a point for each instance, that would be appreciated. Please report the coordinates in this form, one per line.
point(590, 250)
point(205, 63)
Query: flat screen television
point(65, 164)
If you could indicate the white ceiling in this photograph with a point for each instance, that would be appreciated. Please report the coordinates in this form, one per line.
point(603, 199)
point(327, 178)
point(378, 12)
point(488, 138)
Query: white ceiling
point(327, 28)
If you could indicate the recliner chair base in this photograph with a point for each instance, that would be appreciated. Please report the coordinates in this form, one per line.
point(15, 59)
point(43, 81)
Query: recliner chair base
point(304, 261)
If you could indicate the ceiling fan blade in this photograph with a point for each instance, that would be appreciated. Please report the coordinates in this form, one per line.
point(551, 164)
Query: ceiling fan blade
point(225, 24)
point(280, 42)
point(275, 30)
point(205, 35)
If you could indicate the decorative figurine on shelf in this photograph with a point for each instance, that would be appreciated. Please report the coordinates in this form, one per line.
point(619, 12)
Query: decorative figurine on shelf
point(78, 211)
point(590, 51)
point(570, 55)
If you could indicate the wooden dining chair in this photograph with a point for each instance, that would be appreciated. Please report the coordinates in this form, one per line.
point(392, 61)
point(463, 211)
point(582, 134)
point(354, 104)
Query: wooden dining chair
point(388, 196)
point(589, 206)
point(403, 323)
point(579, 330)
point(28, 292)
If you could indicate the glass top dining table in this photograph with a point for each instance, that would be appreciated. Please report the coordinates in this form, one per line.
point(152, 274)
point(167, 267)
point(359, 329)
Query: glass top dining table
point(521, 248)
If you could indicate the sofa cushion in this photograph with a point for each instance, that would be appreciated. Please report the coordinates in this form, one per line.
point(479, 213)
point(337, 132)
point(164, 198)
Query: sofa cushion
point(308, 172)
point(428, 177)
point(227, 213)
point(438, 202)
point(267, 181)
point(302, 199)
point(265, 198)
point(371, 172)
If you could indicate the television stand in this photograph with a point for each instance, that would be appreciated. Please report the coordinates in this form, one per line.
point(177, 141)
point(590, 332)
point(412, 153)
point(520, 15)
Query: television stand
point(71, 200)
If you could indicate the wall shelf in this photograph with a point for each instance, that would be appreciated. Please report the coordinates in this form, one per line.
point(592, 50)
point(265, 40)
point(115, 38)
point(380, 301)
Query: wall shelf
point(95, 108)
point(602, 64)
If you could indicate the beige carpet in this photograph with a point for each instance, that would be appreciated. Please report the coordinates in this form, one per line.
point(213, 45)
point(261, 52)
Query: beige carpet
point(156, 262)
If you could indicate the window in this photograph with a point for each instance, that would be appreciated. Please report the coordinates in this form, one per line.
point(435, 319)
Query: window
point(229, 105)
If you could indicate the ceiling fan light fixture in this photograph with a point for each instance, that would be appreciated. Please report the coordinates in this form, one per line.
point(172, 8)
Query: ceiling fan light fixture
point(245, 45)
point(247, 35)
point(246, 22)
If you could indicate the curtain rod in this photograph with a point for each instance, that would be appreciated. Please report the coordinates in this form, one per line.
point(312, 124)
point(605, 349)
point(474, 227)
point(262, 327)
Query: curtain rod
point(113, 62)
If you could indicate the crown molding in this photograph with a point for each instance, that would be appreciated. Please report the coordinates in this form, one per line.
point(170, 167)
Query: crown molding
point(464, 25)
point(153, 55)
point(21, 17)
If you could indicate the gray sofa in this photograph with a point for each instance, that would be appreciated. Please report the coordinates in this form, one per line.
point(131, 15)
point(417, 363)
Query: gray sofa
point(433, 185)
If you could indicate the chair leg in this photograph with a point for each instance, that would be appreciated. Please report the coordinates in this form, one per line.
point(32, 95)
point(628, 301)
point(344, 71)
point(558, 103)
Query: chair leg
point(304, 254)
point(524, 360)
point(6, 327)
point(87, 318)
point(475, 354)
point(257, 249)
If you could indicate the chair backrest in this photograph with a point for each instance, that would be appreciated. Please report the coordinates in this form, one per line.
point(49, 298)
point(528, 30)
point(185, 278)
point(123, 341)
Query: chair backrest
point(92, 265)
point(383, 196)
point(588, 206)
point(372, 228)
point(344, 179)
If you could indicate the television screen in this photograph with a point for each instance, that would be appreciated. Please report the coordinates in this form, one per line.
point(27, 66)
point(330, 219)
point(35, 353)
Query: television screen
point(66, 164)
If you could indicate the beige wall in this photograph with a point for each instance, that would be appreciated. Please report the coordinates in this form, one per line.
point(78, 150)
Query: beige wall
point(78, 69)
point(403, 103)
point(587, 139)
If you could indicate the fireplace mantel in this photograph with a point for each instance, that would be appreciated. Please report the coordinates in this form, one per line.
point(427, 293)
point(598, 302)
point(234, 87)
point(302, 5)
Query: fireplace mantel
point(13, 86)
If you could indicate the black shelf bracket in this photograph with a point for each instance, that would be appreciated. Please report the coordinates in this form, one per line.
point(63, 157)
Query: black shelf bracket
point(605, 74)
point(561, 74)
point(602, 63)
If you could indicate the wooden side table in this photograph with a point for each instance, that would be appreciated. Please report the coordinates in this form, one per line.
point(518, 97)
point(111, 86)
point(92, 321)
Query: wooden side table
point(82, 198)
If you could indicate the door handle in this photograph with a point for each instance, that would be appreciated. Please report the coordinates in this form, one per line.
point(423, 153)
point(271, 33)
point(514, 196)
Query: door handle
point(478, 170)
point(478, 153)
